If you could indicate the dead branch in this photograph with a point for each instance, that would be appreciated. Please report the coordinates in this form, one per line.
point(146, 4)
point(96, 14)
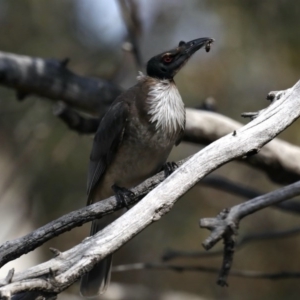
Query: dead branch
point(129, 11)
point(186, 268)
point(226, 185)
point(60, 272)
point(225, 225)
point(52, 79)
point(13, 249)
point(243, 241)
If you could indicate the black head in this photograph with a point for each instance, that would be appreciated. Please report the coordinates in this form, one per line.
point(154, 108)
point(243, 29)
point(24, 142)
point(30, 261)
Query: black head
point(167, 64)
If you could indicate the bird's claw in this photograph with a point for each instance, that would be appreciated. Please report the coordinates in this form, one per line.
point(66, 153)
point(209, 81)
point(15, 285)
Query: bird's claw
point(123, 195)
point(169, 167)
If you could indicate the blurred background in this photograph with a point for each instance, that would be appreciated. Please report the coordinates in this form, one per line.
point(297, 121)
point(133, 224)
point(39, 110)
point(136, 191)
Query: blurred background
point(43, 164)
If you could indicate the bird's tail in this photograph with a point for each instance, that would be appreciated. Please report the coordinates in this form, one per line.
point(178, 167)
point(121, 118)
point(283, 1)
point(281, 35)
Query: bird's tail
point(97, 280)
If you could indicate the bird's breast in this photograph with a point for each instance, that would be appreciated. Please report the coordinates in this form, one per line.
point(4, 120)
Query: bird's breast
point(166, 108)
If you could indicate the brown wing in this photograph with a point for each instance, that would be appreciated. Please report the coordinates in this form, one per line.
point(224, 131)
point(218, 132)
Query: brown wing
point(106, 142)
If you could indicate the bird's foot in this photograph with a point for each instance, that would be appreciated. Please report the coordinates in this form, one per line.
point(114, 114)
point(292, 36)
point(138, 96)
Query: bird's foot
point(169, 167)
point(123, 195)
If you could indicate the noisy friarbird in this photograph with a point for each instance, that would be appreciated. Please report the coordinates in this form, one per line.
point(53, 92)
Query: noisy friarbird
point(134, 139)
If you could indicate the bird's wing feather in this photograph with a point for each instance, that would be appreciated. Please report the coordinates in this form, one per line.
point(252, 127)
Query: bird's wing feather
point(106, 142)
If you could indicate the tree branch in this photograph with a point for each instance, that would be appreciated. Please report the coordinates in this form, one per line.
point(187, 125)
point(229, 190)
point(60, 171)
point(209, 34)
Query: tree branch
point(51, 79)
point(184, 268)
point(228, 220)
point(225, 225)
point(70, 265)
point(129, 11)
point(15, 248)
point(226, 185)
point(249, 238)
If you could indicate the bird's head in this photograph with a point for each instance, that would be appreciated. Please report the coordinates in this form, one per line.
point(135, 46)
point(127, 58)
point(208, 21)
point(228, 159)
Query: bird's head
point(167, 64)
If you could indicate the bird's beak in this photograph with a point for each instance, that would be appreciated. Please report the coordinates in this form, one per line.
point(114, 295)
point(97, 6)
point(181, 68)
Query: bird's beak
point(185, 50)
point(194, 45)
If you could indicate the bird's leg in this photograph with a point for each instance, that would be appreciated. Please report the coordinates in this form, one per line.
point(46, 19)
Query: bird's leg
point(169, 167)
point(123, 195)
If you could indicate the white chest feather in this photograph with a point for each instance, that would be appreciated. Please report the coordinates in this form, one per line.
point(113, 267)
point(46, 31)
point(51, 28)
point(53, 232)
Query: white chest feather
point(166, 107)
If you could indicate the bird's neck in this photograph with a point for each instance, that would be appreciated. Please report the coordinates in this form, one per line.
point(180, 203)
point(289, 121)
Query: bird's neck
point(165, 106)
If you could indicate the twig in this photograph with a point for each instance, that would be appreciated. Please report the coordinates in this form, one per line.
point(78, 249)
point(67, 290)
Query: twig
point(184, 268)
point(173, 254)
point(226, 185)
point(132, 21)
point(74, 120)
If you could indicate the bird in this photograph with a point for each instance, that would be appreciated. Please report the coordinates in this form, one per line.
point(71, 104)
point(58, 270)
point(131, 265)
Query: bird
point(134, 140)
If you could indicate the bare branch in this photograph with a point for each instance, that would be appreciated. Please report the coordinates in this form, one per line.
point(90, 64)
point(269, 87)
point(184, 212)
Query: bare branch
point(229, 219)
point(183, 268)
point(227, 185)
point(13, 249)
point(74, 120)
point(51, 79)
point(70, 265)
point(243, 241)
point(280, 160)
point(132, 21)
point(226, 224)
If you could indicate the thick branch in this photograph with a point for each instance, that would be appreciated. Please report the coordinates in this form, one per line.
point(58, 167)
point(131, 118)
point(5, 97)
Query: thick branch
point(70, 265)
point(280, 160)
point(51, 79)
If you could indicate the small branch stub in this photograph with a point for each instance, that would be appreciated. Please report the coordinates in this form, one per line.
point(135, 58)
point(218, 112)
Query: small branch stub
point(10, 276)
point(55, 251)
point(219, 227)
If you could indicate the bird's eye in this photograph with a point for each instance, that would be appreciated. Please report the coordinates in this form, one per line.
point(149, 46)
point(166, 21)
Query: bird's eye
point(167, 59)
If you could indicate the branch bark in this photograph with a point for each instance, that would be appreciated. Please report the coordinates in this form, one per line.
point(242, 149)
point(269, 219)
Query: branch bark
point(50, 78)
point(70, 265)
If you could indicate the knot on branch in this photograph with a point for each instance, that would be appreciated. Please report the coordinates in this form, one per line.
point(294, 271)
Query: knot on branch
point(55, 251)
point(51, 279)
point(276, 95)
point(161, 210)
